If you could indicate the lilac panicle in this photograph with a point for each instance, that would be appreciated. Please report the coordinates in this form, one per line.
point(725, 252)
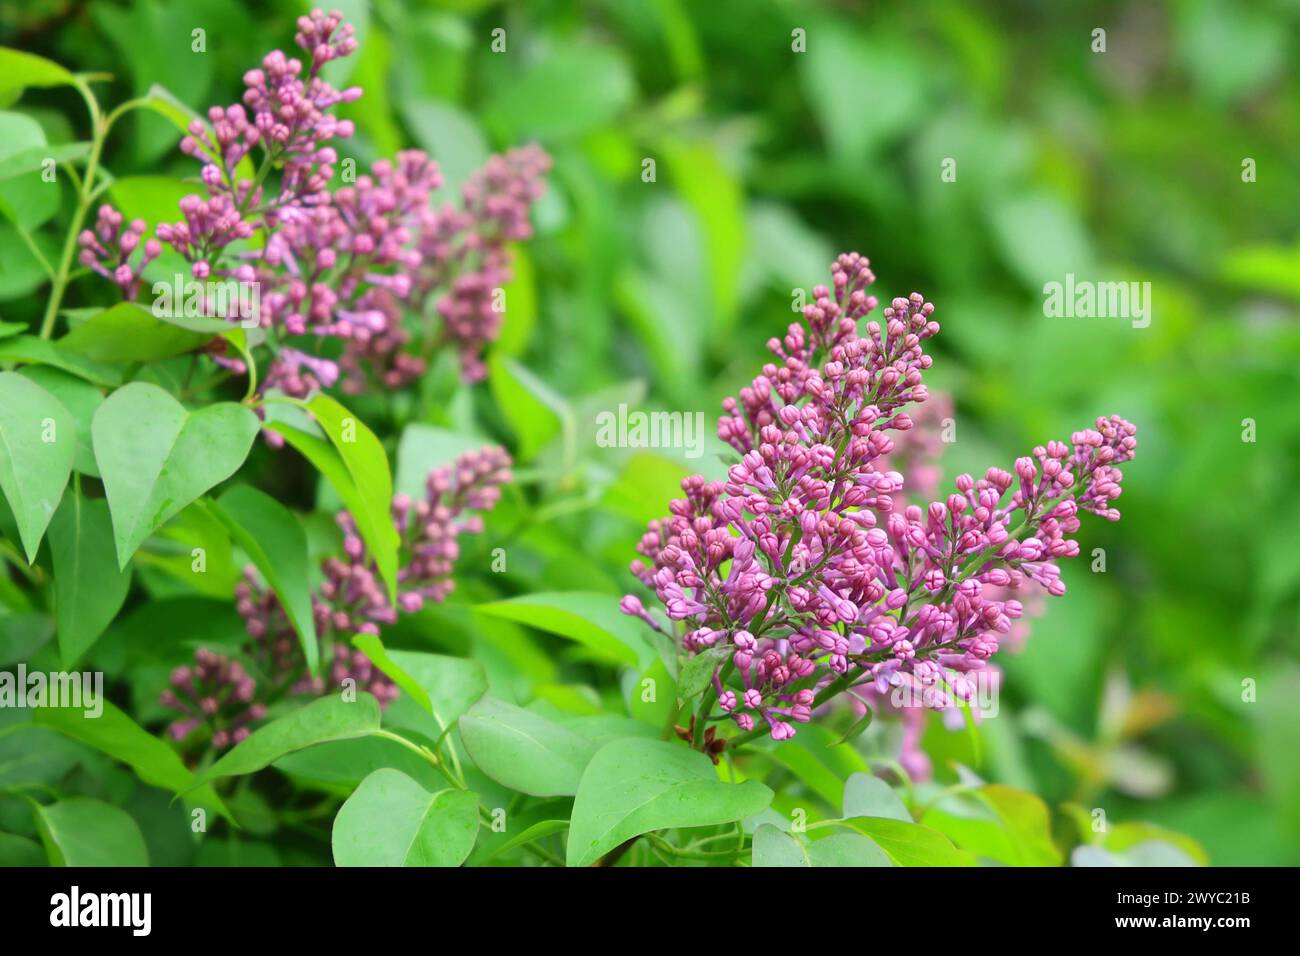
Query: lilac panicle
point(807, 565)
point(107, 250)
point(351, 600)
point(216, 693)
point(349, 264)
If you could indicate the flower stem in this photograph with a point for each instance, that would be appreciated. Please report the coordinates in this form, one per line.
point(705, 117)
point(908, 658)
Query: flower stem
point(85, 196)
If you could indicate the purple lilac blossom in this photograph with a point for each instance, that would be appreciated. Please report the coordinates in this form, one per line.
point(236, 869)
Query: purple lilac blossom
point(803, 565)
point(351, 600)
point(347, 265)
point(216, 693)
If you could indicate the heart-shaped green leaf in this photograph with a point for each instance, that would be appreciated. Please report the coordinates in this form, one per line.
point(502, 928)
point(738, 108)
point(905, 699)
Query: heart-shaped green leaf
point(38, 440)
point(155, 456)
point(390, 820)
point(636, 785)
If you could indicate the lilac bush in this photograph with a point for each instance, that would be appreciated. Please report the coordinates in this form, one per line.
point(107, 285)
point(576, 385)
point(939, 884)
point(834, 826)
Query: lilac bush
point(802, 565)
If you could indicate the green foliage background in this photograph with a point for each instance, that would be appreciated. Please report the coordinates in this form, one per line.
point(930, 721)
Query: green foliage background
point(1129, 693)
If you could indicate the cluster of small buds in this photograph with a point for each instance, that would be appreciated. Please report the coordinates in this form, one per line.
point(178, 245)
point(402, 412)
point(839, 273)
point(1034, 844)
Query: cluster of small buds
point(917, 455)
point(351, 665)
point(217, 693)
point(465, 250)
point(347, 264)
point(455, 498)
point(208, 228)
point(352, 599)
point(107, 250)
point(770, 688)
point(807, 560)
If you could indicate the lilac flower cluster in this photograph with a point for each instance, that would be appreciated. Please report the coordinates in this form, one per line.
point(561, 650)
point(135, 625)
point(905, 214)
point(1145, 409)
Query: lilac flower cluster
point(348, 265)
point(216, 693)
point(107, 250)
point(806, 565)
point(351, 599)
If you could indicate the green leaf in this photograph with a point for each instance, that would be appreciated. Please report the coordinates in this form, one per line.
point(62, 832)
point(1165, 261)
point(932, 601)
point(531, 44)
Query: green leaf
point(33, 350)
point(448, 133)
point(697, 672)
point(523, 750)
point(536, 413)
point(155, 199)
point(38, 441)
point(26, 200)
point(562, 96)
point(847, 849)
point(166, 104)
point(444, 686)
point(717, 198)
point(423, 448)
point(35, 758)
point(155, 457)
point(773, 847)
point(19, 70)
point(128, 332)
point(1122, 837)
point(89, 588)
point(79, 397)
point(393, 821)
point(85, 832)
point(343, 764)
point(20, 851)
point(114, 733)
point(367, 466)
point(173, 550)
point(321, 721)
point(838, 71)
point(33, 158)
point(22, 636)
point(540, 829)
point(1026, 820)
point(859, 725)
point(275, 542)
point(23, 269)
point(637, 785)
point(648, 482)
point(590, 618)
point(868, 796)
point(821, 766)
point(910, 844)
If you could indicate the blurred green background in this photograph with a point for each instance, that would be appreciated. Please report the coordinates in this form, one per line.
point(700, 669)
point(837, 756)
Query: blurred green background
point(1165, 688)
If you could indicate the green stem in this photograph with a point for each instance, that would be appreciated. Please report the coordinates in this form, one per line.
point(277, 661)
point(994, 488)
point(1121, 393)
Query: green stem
point(85, 196)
